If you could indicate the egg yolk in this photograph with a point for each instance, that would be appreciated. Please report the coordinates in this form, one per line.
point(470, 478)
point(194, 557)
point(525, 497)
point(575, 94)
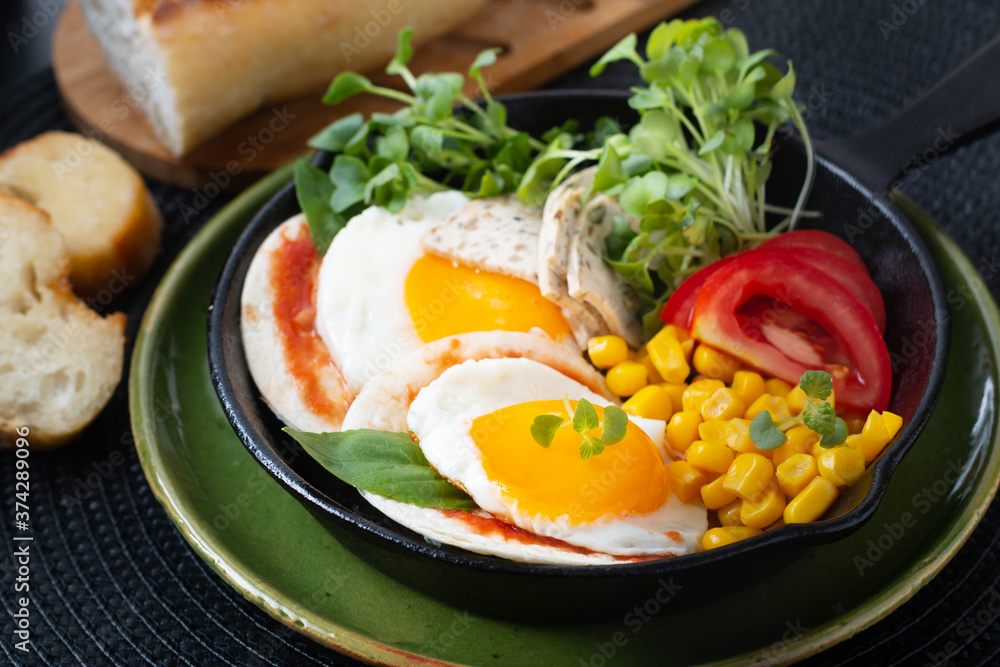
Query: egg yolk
point(629, 477)
point(445, 298)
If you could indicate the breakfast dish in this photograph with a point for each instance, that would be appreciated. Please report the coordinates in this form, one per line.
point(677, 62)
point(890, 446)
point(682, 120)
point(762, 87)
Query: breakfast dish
point(59, 360)
point(177, 52)
point(196, 464)
point(750, 357)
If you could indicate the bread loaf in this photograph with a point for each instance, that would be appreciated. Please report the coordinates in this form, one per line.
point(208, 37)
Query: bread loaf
point(59, 360)
point(98, 203)
point(203, 64)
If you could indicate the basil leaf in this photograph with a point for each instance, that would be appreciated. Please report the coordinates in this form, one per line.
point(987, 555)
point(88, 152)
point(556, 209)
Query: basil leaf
point(544, 428)
point(388, 464)
point(765, 433)
point(314, 190)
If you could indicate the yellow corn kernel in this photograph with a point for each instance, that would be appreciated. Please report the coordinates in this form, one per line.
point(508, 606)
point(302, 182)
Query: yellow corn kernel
point(729, 515)
point(724, 403)
point(749, 385)
point(650, 402)
point(717, 537)
point(777, 387)
point(714, 363)
point(687, 343)
point(892, 423)
point(874, 436)
point(797, 399)
point(626, 377)
point(682, 430)
point(675, 392)
point(799, 440)
point(709, 456)
point(715, 496)
point(776, 405)
point(713, 431)
point(743, 532)
point(738, 438)
point(686, 481)
point(765, 508)
point(852, 441)
point(748, 475)
point(652, 374)
point(698, 392)
point(795, 472)
point(668, 356)
point(841, 465)
point(606, 351)
point(811, 502)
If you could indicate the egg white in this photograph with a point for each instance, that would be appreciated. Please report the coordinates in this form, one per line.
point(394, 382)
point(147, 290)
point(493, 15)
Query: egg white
point(361, 308)
point(441, 418)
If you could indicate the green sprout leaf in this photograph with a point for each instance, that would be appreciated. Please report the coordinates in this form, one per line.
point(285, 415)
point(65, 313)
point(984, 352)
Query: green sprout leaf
point(820, 417)
point(614, 425)
point(483, 59)
point(623, 50)
point(585, 417)
point(817, 385)
point(544, 428)
point(336, 136)
point(838, 437)
point(765, 433)
point(347, 84)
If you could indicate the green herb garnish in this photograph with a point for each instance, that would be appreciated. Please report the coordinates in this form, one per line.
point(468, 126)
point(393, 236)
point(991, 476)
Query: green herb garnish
point(817, 415)
point(389, 464)
point(613, 427)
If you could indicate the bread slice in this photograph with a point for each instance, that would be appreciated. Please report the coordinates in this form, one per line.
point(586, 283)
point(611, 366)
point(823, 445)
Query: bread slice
point(99, 204)
point(202, 64)
point(59, 360)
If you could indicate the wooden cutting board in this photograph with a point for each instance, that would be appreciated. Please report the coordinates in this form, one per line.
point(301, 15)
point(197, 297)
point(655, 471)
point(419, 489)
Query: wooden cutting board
point(540, 40)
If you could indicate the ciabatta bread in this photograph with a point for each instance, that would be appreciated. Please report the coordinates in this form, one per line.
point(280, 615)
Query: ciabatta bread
point(202, 64)
point(59, 360)
point(99, 204)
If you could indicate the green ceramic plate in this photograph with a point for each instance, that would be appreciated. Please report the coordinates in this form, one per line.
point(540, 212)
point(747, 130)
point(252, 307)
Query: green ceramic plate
point(260, 540)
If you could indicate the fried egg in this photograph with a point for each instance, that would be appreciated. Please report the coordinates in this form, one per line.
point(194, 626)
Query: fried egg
point(381, 294)
point(470, 400)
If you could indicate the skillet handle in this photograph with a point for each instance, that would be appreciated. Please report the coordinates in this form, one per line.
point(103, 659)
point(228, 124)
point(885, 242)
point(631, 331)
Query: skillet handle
point(966, 100)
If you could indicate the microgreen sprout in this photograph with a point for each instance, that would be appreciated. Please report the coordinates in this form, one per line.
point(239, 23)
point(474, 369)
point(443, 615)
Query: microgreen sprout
point(585, 419)
point(817, 415)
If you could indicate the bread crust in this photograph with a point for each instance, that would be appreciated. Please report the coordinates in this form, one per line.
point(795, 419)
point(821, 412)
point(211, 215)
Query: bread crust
point(263, 50)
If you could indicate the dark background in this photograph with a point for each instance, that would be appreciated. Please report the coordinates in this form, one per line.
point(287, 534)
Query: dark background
point(111, 596)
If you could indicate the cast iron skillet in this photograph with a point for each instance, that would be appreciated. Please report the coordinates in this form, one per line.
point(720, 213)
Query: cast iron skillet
point(850, 191)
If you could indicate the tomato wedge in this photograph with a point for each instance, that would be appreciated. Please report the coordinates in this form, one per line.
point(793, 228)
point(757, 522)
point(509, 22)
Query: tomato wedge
point(785, 316)
point(819, 240)
point(680, 305)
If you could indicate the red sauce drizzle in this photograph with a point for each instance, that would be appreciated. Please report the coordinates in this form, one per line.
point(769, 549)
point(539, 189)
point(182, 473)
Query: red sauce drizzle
point(484, 525)
point(294, 270)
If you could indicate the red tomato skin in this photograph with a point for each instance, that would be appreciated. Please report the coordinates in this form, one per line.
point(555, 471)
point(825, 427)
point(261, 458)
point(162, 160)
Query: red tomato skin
point(820, 240)
point(680, 306)
point(813, 294)
point(846, 273)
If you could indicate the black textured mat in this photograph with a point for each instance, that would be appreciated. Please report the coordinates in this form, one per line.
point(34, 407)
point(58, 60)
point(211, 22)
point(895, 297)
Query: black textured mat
point(112, 581)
